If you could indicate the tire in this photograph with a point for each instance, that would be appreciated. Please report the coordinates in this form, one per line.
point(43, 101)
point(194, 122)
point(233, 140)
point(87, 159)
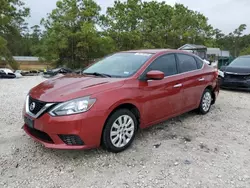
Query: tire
point(206, 102)
point(123, 133)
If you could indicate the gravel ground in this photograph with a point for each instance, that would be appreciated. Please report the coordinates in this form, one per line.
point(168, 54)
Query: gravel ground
point(187, 151)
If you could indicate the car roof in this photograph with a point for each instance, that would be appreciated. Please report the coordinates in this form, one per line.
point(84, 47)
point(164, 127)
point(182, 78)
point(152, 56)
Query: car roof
point(154, 51)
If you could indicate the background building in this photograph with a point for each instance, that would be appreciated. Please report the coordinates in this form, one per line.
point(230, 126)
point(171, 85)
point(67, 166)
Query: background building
point(27, 63)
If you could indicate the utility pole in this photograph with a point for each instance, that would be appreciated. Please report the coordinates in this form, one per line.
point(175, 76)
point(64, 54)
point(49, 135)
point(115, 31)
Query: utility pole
point(235, 47)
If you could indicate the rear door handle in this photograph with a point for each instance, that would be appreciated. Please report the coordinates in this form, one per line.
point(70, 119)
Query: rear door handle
point(201, 79)
point(177, 85)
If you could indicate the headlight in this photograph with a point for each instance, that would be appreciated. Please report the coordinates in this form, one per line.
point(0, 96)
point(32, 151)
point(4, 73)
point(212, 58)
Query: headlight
point(221, 73)
point(73, 107)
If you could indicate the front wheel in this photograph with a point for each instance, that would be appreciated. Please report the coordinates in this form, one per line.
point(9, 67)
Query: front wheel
point(119, 131)
point(206, 101)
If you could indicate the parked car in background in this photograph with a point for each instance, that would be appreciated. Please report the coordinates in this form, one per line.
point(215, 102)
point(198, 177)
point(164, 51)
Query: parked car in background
point(116, 96)
point(6, 73)
point(237, 74)
point(31, 73)
point(19, 73)
point(54, 72)
point(6, 70)
point(78, 71)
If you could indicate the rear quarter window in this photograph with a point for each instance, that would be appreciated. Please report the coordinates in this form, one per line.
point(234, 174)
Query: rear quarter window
point(199, 63)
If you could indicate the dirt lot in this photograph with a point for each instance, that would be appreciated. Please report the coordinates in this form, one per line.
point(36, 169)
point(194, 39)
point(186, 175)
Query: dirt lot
point(187, 151)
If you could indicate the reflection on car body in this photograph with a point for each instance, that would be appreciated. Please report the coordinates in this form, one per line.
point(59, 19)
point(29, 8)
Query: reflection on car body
point(116, 96)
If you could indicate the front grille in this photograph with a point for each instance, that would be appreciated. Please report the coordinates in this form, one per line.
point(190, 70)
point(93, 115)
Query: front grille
point(38, 105)
point(40, 135)
point(237, 85)
point(237, 77)
point(71, 139)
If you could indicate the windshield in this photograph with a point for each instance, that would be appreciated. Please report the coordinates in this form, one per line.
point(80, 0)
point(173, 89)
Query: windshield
point(119, 65)
point(240, 62)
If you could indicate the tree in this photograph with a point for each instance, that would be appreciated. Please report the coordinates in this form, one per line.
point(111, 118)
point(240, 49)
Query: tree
point(136, 24)
point(121, 24)
point(235, 41)
point(4, 51)
point(36, 33)
point(71, 36)
point(238, 32)
point(189, 26)
point(236, 35)
point(245, 51)
point(12, 19)
point(217, 40)
point(75, 32)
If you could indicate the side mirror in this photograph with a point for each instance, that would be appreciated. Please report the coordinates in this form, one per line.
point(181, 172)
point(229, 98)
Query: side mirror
point(155, 75)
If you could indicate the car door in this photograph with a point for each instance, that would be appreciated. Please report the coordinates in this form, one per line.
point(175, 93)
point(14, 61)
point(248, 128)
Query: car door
point(162, 97)
point(192, 82)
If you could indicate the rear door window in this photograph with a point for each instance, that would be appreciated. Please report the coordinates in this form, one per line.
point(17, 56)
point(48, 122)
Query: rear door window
point(186, 63)
point(166, 63)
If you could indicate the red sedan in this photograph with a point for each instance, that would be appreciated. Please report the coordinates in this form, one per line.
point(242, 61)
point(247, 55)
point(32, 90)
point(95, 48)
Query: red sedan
point(116, 96)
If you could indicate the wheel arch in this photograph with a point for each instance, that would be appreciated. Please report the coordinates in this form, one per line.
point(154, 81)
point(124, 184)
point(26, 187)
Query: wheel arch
point(124, 105)
point(210, 87)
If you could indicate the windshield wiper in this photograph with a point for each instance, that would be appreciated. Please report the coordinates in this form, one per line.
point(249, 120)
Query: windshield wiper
point(97, 74)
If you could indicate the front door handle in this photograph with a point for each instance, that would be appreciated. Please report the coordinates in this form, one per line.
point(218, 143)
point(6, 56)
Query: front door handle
point(177, 85)
point(201, 79)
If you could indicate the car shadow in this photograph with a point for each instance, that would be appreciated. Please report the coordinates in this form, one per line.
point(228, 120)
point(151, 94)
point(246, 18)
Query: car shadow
point(172, 129)
point(236, 90)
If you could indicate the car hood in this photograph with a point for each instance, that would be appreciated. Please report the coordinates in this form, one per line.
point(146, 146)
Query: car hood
point(69, 87)
point(239, 70)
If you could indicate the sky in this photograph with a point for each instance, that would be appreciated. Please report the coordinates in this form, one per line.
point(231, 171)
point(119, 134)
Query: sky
point(225, 15)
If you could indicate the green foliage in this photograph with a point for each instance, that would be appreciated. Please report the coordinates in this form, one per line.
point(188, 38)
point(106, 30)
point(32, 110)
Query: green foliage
point(75, 32)
point(234, 42)
point(14, 65)
point(12, 23)
point(12, 15)
point(238, 32)
point(71, 36)
point(5, 53)
point(136, 24)
point(245, 51)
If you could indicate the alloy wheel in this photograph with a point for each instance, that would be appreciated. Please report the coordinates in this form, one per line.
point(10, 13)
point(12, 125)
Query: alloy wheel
point(206, 101)
point(122, 131)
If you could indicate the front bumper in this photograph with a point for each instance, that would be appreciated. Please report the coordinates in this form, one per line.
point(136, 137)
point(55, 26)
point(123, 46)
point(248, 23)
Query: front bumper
point(80, 131)
point(235, 84)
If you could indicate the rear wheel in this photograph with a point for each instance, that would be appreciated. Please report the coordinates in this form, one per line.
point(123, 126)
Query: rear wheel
point(119, 131)
point(206, 101)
